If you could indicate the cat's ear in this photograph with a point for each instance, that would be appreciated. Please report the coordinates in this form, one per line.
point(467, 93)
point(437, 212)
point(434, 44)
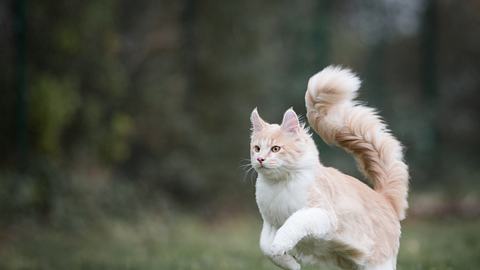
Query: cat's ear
point(257, 122)
point(290, 122)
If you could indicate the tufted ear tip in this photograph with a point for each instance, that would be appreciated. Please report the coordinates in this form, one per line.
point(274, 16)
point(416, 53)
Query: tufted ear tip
point(257, 122)
point(290, 121)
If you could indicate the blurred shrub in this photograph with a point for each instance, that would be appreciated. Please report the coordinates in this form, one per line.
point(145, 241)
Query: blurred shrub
point(155, 96)
point(52, 106)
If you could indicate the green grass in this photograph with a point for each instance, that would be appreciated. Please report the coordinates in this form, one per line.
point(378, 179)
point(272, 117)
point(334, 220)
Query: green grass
point(188, 243)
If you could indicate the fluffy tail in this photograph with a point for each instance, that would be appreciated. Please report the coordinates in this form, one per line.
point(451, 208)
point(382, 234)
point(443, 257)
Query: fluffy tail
point(341, 121)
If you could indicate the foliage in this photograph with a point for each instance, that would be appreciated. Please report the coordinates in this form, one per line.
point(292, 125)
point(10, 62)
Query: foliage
point(157, 94)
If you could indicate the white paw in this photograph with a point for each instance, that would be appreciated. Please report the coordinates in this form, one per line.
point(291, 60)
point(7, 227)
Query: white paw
point(286, 262)
point(296, 266)
point(279, 248)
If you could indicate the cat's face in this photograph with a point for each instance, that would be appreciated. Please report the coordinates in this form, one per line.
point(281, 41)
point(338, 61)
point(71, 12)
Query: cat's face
point(279, 149)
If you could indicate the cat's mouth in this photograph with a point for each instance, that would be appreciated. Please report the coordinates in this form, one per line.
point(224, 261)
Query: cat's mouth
point(259, 167)
point(262, 167)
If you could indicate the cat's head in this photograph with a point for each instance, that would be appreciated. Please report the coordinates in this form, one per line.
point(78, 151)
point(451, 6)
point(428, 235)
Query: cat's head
point(277, 150)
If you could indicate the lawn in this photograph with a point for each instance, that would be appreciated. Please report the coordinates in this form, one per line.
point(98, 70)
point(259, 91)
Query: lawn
point(184, 242)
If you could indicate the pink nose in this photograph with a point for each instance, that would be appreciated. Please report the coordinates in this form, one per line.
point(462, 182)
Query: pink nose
point(260, 160)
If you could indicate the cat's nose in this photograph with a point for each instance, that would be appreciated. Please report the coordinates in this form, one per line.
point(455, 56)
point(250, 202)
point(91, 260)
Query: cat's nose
point(260, 160)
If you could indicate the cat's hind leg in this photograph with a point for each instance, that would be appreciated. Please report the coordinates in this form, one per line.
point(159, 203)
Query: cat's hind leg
point(308, 222)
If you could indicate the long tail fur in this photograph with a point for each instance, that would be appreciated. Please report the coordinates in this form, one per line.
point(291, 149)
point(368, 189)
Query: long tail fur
point(339, 120)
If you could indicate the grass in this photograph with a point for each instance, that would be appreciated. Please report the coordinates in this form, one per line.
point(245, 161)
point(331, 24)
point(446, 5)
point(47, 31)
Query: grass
point(189, 243)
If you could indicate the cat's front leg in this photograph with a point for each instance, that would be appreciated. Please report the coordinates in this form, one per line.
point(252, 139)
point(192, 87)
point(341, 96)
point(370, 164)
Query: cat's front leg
point(266, 238)
point(308, 222)
point(284, 261)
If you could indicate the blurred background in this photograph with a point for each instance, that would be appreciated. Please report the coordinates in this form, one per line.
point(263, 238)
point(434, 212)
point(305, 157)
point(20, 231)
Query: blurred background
point(124, 125)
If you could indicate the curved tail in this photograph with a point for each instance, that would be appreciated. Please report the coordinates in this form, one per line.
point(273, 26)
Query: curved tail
point(339, 120)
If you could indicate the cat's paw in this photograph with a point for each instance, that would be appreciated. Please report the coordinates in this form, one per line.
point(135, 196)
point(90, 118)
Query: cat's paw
point(286, 262)
point(279, 248)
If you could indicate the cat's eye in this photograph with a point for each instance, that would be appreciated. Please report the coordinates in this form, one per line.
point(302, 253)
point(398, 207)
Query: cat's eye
point(275, 148)
point(256, 148)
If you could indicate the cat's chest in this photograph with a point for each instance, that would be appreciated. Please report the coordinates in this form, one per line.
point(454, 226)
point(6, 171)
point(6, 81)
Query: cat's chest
point(279, 200)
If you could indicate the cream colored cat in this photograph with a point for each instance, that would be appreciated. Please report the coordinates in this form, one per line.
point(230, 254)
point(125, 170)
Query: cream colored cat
point(316, 214)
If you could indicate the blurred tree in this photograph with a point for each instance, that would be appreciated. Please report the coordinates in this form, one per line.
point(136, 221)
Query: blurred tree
point(429, 84)
point(21, 82)
point(157, 94)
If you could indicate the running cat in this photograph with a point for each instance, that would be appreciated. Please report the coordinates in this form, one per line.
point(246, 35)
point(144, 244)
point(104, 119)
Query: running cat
point(316, 214)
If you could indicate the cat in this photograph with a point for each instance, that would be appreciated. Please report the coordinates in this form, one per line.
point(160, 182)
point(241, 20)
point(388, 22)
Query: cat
point(316, 214)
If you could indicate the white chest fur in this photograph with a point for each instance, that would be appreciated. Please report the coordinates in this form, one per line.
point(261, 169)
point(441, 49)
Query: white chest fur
point(279, 199)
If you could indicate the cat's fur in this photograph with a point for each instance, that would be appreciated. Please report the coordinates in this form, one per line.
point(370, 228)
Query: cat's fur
point(317, 214)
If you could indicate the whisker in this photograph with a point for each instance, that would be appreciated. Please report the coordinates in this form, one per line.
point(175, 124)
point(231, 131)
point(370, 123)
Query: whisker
point(249, 171)
point(245, 161)
point(249, 174)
